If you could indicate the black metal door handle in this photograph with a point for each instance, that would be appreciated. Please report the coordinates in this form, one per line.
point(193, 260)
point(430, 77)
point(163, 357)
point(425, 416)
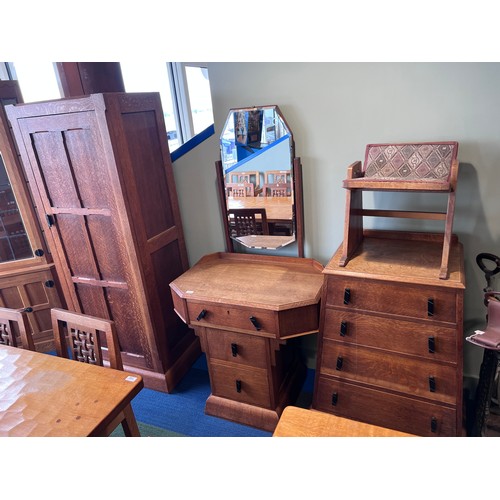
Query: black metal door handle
point(432, 384)
point(347, 295)
point(340, 362)
point(343, 329)
point(202, 314)
point(434, 424)
point(335, 398)
point(430, 307)
point(234, 350)
point(238, 386)
point(431, 344)
point(255, 323)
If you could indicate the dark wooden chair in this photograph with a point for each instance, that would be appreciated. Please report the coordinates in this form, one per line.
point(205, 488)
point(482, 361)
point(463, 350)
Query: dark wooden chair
point(250, 177)
point(14, 323)
point(278, 176)
point(424, 167)
point(248, 221)
point(247, 178)
point(278, 183)
point(80, 337)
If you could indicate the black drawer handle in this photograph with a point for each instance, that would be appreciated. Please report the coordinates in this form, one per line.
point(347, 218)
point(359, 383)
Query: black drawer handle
point(238, 386)
point(431, 344)
point(347, 295)
point(432, 384)
point(340, 362)
point(202, 314)
point(255, 322)
point(234, 350)
point(430, 307)
point(335, 398)
point(343, 328)
point(434, 424)
point(28, 310)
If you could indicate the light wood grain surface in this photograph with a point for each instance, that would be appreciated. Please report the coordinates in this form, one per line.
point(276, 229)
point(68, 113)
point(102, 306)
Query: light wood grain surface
point(267, 282)
point(300, 422)
point(44, 395)
point(277, 208)
point(404, 257)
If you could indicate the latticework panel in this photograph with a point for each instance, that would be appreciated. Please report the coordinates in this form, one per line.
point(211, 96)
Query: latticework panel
point(6, 336)
point(245, 225)
point(278, 192)
point(85, 346)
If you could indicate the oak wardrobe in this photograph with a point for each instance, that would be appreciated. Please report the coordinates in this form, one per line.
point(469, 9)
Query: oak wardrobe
point(102, 180)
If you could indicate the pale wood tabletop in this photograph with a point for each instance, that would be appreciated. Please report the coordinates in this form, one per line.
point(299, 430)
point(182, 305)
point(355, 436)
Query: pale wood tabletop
point(277, 208)
point(44, 395)
point(265, 282)
point(300, 422)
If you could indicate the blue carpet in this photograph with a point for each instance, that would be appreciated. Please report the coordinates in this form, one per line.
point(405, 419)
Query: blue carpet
point(182, 412)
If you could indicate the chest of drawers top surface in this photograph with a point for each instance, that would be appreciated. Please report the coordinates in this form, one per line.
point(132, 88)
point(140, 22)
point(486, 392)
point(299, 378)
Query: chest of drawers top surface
point(402, 257)
point(264, 282)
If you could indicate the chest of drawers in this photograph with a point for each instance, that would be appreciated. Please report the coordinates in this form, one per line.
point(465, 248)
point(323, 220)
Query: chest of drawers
point(390, 342)
point(248, 311)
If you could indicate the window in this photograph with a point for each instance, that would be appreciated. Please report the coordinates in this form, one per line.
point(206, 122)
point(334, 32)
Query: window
point(185, 95)
point(37, 80)
point(184, 91)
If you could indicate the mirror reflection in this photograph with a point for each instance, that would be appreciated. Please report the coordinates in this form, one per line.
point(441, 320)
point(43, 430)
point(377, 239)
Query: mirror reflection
point(257, 152)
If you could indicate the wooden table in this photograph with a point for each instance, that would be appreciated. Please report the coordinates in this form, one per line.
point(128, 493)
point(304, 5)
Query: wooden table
point(299, 422)
point(278, 209)
point(44, 395)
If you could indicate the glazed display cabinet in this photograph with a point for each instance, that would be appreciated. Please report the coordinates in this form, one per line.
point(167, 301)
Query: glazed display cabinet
point(27, 276)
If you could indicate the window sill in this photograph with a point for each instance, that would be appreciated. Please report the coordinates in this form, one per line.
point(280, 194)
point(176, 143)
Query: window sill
point(192, 143)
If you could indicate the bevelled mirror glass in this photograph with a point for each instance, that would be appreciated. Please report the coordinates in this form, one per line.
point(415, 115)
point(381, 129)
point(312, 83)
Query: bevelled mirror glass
point(257, 152)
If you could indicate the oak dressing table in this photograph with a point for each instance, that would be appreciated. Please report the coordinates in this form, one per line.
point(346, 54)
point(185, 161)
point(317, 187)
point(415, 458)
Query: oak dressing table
point(246, 310)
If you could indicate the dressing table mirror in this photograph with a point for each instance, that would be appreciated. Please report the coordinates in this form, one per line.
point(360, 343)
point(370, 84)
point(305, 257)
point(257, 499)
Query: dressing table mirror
point(260, 181)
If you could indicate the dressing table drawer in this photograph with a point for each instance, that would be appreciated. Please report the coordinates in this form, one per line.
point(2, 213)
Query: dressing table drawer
point(236, 348)
point(385, 409)
point(240, 383)
point(402, 299)
point(436, 343)
point(389, 371)
point(258, 321)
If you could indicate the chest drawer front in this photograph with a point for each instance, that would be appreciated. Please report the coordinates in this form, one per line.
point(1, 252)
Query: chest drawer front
point(384, 409)
point(412, 301)
point(389, 371)
point(238, 348)
point(235, 318)
point(240, 383)
point(428, 340)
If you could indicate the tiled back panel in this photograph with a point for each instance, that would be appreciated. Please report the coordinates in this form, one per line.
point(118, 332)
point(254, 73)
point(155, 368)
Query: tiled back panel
point(416, 161)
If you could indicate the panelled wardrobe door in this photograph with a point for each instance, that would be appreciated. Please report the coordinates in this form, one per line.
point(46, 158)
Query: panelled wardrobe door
point(102, 178)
